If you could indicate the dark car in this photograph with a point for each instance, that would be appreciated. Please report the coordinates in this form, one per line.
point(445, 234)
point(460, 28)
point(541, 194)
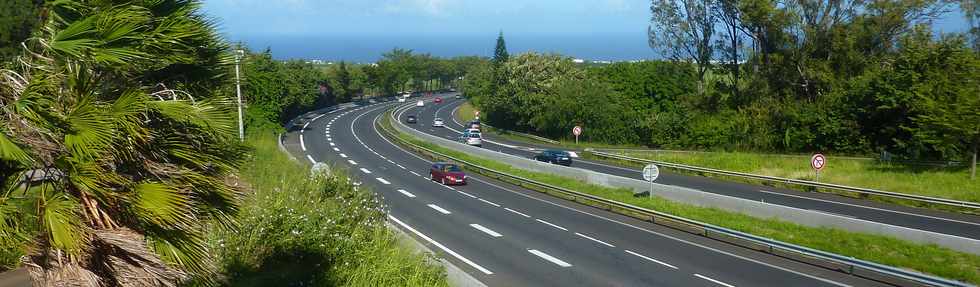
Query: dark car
point(474, 124)
point(411, 119)
point(447, 173)
point(554, 156)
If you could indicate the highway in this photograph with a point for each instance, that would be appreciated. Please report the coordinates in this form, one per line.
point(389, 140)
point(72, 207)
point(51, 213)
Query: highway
point(924, 219)
point(504, 235)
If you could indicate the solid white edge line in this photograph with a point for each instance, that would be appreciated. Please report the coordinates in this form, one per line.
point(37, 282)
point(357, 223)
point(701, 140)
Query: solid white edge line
point(415, 173)
point(400, 166)
point(439, 209)
point(713, 280)
point(406, 193)
point(302, 143)
point(485, 230)
point(364, 170)
point(552, 225)
point(868, 207)
point(550, 258)
point(593, 239)
point(517, 212)
point(651, 259)
point(488, 202)
point(444, 248)
point(382, 180)
point(311, 159)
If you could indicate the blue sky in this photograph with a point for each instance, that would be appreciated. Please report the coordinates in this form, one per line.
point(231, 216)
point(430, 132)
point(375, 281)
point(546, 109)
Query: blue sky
point(428, 17)
point(362, 30)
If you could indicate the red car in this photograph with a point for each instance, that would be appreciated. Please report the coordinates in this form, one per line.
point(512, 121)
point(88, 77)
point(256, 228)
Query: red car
point(447, 173)
point(438, 100)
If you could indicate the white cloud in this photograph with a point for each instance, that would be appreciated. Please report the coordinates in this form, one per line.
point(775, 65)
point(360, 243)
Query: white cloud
point(428, 7)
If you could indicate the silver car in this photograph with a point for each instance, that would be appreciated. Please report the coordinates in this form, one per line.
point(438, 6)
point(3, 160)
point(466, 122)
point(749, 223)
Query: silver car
point(438, 123)
point(473, 139)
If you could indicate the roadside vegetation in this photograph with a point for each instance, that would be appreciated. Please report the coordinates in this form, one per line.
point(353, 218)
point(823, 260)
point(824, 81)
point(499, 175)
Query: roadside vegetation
point(766, 80)
point(930, 259)
point(311, 229)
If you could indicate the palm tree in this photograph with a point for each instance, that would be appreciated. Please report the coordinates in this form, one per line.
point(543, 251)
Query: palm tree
point(115, 148)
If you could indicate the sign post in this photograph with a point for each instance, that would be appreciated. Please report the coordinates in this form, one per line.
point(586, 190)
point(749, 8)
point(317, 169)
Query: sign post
point(476, 114)
point(577, 130)
point(650, 173)
point(818, 162)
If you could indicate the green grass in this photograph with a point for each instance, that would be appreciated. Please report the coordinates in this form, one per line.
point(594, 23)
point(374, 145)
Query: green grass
point(943, 182)
point(320, 231)
point(931, 259)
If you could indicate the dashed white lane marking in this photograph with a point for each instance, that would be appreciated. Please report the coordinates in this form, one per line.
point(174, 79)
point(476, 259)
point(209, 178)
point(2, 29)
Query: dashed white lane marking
point(302, 144)
point(552, 225)
point(415, 173)
point(389, 161)
point(439, 209)
point(713, 280)
point(652, 260)
point(467, 194)
point(406, 193)
point(328, 132)
point(332, 144)
point(382, 180)
point(517, 212)
point(364, 170)
point(486, 230)
point(343, 155)
point(488, 202)
point(352, 162)
point(336, 149)
point(400, 166)
point(306, 125)
point(437, 244)
point(550, 258)
point(593, 239)
point(311, 159)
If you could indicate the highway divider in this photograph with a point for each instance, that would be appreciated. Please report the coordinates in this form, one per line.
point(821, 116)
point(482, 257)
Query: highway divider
point(973, 206)
point(392, 127)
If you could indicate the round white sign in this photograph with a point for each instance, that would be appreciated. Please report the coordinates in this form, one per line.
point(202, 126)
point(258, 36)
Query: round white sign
point(818, 162)
point(651, 172)
point(577, 130)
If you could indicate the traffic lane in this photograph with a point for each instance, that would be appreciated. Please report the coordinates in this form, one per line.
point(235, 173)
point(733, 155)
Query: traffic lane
point(529, 272)
point(580, 225)
point(590, 264)
point(936, 221)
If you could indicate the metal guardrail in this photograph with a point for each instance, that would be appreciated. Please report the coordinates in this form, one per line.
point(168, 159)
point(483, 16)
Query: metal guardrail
point(520, 134)
point(937, 163)
point(868, 191)
point(849, 265)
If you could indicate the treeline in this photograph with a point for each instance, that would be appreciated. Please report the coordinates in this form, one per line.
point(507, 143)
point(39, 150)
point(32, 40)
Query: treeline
point(848, 77)
point(277, 91)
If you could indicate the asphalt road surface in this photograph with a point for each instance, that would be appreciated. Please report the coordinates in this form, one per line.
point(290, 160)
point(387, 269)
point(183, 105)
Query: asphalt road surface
point(508, 236)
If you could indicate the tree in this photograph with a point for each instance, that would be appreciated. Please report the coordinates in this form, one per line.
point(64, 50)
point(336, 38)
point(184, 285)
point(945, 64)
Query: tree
point(114, 145)
point(344, 83)
point(500, 54)
point(17, 19)
point(728, 12)
point(683, 29)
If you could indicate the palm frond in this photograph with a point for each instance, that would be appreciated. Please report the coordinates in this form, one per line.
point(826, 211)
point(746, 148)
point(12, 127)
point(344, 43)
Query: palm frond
point(11, 151)
point(90, 131)
point(163, 205)
point(62, 223)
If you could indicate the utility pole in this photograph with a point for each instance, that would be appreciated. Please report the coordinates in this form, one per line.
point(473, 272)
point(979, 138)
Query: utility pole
point(238, 89)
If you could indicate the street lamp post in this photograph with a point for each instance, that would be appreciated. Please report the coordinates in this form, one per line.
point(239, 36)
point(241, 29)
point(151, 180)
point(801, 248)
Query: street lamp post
point(238, 89)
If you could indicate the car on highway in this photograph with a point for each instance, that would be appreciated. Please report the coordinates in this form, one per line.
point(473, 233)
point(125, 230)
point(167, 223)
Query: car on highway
point(420, 103)
point(473, 139)
point(401, 100)
point(438, 100)
point(555, 157)
point(411, 119)
point(474, 124)
point(438, 123)
point(447, 173)
point(459, 96)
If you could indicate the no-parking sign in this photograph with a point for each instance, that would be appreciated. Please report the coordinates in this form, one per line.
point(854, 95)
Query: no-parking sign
point(818, 162)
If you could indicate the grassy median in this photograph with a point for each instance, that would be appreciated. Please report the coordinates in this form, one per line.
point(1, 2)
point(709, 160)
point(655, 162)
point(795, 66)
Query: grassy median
point(931, 259)
point(934, 181)
point(320, 231)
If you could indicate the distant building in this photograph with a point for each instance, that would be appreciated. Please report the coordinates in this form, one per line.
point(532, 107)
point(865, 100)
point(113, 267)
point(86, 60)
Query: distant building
point(578, 61)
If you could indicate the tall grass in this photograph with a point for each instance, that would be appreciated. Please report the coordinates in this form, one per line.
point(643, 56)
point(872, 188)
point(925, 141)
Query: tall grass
point(944, 182)
point(927, 258)
point(298, 229)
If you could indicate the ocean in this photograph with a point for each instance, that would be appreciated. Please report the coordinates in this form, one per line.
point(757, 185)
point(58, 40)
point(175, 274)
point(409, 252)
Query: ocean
point(367, 49)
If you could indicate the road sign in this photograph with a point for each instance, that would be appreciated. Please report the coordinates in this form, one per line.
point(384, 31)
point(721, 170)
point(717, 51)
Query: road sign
point(651, 172)
point(818, 162)
point(577, 131)
point(476, 113)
